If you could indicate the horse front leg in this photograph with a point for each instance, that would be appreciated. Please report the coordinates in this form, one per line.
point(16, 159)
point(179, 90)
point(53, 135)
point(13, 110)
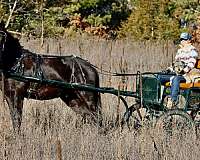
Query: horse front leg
point(15, 103)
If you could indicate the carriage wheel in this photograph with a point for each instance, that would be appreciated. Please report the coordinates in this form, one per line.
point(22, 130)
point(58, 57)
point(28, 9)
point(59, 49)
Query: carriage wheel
point(129, 118)
point(136, 117)
point(195, 114)
point(175, 122)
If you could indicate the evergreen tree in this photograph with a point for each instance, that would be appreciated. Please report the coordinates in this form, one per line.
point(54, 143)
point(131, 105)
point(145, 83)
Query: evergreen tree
point(151, 20)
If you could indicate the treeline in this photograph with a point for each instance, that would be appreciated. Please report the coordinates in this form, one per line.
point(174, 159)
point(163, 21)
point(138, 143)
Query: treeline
point(137, 19)
point(161, 19)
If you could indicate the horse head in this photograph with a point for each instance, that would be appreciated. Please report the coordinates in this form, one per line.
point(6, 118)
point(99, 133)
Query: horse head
point(10, 48)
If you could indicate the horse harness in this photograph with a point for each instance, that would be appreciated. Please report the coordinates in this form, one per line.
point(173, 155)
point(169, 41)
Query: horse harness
point(20, 69)
point(37, 72)
point(73, 77)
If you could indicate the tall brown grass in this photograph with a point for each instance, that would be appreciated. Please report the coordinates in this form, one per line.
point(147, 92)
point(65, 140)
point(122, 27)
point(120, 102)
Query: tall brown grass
point(51, 131)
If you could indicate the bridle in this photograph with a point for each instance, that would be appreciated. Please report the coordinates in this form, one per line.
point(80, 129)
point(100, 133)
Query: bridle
point(4, 34)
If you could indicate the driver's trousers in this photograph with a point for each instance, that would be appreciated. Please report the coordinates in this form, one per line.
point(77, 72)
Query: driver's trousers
point(175, 83)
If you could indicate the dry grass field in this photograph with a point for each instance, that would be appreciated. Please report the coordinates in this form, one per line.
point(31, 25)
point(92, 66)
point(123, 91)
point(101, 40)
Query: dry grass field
point(51, 131)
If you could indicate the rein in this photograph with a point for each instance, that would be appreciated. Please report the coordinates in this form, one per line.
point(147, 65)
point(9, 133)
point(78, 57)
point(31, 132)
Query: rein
point(115, 74)
point(108, 73)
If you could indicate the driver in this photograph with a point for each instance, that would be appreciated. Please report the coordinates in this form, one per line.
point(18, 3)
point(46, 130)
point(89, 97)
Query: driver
point(187, 54)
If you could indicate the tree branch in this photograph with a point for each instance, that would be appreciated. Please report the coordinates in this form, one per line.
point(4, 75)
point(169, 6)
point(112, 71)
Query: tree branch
point(11, 12)
point(17, 33)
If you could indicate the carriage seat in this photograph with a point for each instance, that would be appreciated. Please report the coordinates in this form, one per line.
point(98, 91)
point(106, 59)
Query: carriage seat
point(197, 65)
point(184, 85)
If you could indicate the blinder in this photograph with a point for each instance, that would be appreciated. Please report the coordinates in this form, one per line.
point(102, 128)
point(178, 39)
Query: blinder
point(3, 37)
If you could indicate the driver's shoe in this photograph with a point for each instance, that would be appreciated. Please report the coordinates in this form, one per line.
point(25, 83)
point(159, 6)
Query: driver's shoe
point(171, 104)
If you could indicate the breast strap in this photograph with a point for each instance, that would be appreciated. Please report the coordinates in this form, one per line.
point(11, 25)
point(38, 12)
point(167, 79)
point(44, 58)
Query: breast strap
point(19, 67)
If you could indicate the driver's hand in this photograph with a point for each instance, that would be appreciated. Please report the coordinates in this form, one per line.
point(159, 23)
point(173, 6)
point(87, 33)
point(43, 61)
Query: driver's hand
point(169, 69)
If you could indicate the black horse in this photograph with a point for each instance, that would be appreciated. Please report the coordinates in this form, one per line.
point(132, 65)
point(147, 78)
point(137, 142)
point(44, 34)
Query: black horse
point(15, 59)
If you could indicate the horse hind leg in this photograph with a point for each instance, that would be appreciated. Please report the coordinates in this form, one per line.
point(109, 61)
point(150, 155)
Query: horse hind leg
point(83, 108)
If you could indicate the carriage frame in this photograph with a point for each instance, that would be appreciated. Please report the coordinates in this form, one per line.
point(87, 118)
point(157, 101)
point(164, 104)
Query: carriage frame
point(150, 95)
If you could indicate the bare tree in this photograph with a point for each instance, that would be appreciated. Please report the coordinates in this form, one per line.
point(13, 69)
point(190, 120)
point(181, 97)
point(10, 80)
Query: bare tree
point(11, 8)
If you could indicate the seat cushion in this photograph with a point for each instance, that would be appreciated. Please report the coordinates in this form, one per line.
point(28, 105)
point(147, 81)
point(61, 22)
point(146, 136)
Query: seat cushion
point(185, 85)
